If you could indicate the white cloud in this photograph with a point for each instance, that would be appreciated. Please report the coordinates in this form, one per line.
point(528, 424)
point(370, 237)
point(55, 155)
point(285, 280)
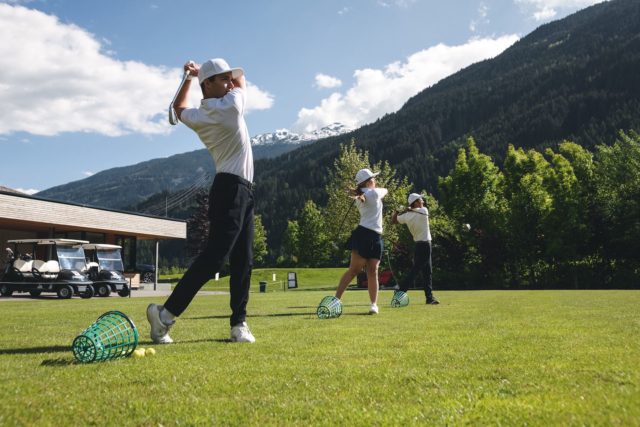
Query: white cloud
point(378, 92)
point(324, 81)
point(88, 173)
point(483, 13)
point(344, 11)
point(398, 3)
point(61, 79)
point(544, 10)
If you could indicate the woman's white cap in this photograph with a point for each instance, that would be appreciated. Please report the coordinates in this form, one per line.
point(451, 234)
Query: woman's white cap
point(364, 174)
point(413, 197)
point(216, 66)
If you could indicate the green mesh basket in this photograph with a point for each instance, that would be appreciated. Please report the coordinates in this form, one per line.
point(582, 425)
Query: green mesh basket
point(112, 336)
point(329, 307)
point(400, 299)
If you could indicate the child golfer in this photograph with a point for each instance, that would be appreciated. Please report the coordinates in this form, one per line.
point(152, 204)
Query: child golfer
point(219, 123)
point(416, 218)
point(366, 240)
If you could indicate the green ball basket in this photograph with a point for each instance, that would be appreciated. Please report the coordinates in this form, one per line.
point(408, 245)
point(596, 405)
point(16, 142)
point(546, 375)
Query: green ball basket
point(400, 299)
point(330, 307)
point(112, 336)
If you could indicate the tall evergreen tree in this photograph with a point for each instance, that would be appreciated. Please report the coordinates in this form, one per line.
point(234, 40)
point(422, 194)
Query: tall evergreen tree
point(260, 249)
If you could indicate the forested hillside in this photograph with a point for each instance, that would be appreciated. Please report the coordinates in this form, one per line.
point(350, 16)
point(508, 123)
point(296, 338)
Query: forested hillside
point(576, 79)
point(126, 187)
point(131, 187)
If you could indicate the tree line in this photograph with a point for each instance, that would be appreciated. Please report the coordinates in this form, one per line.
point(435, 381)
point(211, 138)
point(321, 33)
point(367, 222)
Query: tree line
point(568, 218)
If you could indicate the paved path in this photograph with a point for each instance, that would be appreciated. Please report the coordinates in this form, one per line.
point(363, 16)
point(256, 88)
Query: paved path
point(135, 294)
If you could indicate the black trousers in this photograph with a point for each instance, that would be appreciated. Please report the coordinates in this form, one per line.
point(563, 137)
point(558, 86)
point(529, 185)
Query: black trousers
point(421, 264)
point(230, 237)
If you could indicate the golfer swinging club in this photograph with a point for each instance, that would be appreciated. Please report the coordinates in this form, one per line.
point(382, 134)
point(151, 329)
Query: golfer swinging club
point(416, 217)
point(366, 240)
point(219, 123)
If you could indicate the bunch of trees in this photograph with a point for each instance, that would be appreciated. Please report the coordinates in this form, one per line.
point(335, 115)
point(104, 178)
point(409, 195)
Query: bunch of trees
point(316, 237)
point(563, 218)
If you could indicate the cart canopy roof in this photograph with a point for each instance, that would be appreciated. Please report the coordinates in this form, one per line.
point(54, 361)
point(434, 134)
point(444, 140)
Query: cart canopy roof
point(67, 242)
point(100, 246)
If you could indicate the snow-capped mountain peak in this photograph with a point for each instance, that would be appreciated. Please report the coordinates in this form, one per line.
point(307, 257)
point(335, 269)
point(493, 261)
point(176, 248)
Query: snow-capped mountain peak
point(285, 136)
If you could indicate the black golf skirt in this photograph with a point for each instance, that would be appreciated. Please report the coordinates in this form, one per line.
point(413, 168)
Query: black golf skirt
point(366, 242)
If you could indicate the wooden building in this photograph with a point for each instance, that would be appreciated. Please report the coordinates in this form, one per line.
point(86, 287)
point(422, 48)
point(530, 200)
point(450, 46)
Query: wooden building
point(29, 217)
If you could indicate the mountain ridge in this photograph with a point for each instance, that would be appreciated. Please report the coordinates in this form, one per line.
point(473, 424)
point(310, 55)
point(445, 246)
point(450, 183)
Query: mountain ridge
point(174, 173)
point(574, 78)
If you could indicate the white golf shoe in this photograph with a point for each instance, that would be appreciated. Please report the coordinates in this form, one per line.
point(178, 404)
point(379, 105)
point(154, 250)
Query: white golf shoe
point(159, 329)
point(373, 309)
point(241, 333)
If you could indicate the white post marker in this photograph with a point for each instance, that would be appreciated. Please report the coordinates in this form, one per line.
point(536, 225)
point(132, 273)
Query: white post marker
point(217, 276)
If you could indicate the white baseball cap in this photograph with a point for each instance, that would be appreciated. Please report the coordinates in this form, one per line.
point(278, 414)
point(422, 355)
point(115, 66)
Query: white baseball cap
point(413, 197)
point(216, 66)
point(364, 174)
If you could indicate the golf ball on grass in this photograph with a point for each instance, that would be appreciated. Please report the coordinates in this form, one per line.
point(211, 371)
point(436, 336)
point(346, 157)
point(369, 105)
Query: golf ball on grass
point(139, 353)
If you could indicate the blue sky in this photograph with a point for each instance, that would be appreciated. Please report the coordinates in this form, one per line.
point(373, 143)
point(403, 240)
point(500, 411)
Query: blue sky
point(85, 84)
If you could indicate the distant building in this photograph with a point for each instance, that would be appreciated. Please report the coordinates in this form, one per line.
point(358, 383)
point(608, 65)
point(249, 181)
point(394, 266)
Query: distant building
point(29, 217)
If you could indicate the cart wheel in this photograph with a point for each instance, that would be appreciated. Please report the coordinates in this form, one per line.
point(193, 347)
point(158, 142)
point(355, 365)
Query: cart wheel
point(35, 293)
point(88, 293)
point(124, 292)
point(104, 290)
point(5, 290)
point(65, 292)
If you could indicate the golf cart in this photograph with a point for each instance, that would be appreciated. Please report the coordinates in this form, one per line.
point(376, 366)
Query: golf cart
point(105, 269)
point(147, 272)
point(53, 265)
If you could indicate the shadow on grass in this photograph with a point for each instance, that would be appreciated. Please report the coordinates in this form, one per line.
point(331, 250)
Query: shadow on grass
point(315, 306)
point(27, 297)
point(182, 342)
point(356, 314)
point(59, 362)
point(220, 340)
point(36, 350)
point(252, 315)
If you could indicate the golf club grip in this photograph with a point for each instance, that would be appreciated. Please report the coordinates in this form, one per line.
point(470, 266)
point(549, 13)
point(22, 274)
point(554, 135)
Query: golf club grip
point(173, 117)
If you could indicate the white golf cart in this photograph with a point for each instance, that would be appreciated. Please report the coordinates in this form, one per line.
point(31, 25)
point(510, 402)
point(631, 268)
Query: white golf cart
point(106, 269)
point(52, 265)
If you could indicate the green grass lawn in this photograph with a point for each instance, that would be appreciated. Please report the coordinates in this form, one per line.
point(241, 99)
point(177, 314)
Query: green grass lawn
point(308, 279)
point(479, 358)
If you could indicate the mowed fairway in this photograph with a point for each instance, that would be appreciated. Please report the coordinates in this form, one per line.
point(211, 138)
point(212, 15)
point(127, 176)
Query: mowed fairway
point(479, 358)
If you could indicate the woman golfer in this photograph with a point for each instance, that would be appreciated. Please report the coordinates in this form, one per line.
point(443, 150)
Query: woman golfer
point(416, 218)
point(366, 240)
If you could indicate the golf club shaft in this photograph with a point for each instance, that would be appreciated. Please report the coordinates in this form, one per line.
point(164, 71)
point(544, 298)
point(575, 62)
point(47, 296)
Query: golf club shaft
point(345, 217)
point(173, 118)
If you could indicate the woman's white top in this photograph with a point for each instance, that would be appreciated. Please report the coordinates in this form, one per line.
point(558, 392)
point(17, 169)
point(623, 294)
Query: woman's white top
point(371, 208)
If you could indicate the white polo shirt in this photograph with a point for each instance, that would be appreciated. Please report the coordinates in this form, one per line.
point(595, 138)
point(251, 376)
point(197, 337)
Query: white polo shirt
point(371, 208)
point(219, 122)
point(418, 222)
